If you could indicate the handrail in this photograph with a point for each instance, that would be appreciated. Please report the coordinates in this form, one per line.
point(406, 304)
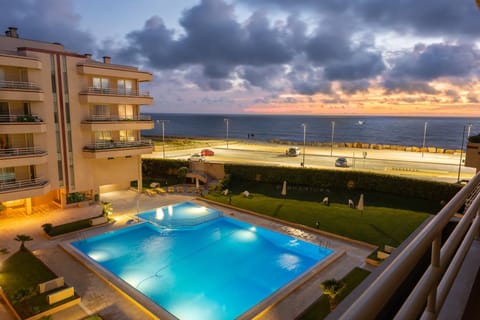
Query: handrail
point(24, 85)
point(380, 290)
point(117, 144)
point(7, 185)
point(98, 117)
point(23, 151)
point(20, 118)
point(116, 92)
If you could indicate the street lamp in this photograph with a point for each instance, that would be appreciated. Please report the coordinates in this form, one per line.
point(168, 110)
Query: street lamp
point(424, 136)
point(304, 136)
point(163, 135)
point(333, 132)
point(469, 126)
point(226, 120)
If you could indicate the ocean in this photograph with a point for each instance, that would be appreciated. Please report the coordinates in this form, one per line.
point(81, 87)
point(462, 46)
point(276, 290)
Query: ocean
point(438, 132)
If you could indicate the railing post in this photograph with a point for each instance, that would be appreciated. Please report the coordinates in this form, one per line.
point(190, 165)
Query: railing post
point(435, 263)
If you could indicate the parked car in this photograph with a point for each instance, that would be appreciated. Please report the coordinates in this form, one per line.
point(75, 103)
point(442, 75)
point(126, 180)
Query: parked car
point(207, 152)
point(293, 152)
point(196, 157)
point(341, 162)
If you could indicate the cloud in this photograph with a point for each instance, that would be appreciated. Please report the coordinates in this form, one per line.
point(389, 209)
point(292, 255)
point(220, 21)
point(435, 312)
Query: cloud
point(47, 20)
point(455, 19)
point(360, 65)
point(437, 60)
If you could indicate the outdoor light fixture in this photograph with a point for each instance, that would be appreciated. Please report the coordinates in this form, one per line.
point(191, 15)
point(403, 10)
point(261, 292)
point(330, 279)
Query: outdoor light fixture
point(424, 136)
point(163, 135)
point(469, 126)
point(226, 120)
point(304, 136)
point(333, 132)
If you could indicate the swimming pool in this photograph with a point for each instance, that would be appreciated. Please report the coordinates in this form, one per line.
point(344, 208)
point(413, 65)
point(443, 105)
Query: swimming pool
point(180, 214)
point(215, 270)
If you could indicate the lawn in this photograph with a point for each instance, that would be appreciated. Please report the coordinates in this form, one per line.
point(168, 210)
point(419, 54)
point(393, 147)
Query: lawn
point(20, 274)
point(377, 224)
point(321, 308)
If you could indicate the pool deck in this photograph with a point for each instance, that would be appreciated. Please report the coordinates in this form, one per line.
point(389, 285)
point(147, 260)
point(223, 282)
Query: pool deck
point(100, 297)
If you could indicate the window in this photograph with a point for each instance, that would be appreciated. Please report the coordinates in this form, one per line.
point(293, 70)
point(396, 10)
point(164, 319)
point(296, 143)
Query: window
point(125, 112)
point(125, 87)
point(101, 84)
point(103, 136)
point(127, 135)
point(7, 174)
point(101, 112)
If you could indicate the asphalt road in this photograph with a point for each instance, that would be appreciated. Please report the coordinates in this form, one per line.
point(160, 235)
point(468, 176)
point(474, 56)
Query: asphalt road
point(432, 166)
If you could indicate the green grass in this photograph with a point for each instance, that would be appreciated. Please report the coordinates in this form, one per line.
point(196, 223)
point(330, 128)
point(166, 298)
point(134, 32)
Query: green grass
point(378, 225)
point(19, 276)
point(321, 308)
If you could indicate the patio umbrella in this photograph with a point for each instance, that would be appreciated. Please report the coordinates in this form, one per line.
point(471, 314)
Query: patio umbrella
point(360, 205)
point(284, 189)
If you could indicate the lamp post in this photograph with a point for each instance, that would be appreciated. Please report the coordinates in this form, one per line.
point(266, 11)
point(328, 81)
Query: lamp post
point(469, 126)
point(163, 135)
point(226, 120)
point(304, 140)
point(424, 136)
point(333, 133)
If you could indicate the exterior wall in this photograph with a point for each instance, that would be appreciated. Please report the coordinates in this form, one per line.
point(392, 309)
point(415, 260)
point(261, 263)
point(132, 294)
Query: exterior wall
point(472, 157)
point(73, 73)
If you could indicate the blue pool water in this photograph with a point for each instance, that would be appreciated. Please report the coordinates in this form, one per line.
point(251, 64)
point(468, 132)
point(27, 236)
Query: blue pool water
point(180, 214)
point(215, 270)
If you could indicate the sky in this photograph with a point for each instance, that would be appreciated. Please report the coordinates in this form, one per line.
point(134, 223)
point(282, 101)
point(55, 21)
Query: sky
point(318, 57)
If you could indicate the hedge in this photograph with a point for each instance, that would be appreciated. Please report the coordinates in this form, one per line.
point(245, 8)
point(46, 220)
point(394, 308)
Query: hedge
point(318, 178)
point(345, 179)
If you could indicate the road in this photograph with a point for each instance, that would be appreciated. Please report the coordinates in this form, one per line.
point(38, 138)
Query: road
point(432, 166)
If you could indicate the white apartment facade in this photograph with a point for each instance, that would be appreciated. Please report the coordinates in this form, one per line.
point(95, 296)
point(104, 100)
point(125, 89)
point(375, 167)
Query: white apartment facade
point(69, 125)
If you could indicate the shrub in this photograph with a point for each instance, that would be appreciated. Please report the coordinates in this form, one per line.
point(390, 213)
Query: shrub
point(474, 139)
point(47, 227)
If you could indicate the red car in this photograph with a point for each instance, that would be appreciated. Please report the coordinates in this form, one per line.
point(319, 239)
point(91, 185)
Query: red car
point(207, 152)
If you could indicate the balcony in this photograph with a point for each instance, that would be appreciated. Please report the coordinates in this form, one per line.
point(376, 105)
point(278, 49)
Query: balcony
point(115, 123)
point(113, 71)
point(21, 123)
point(20, 91)
point(25, 156)
point(115, 96)
point(13, 59)
point(11, 189)
point(115, 149)
point(433, 275)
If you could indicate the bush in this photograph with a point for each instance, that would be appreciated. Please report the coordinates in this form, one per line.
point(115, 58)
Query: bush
point(47, 227)
point(474, 139)
point(75, 197)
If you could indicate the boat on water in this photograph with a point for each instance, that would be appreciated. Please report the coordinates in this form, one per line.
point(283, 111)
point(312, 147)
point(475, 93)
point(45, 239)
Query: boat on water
point(360, 122)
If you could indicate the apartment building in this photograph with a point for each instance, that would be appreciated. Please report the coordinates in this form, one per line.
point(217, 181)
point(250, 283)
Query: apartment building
point(69, 125)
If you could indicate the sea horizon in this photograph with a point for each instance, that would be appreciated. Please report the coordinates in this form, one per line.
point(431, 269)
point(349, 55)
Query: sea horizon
point(438, 131)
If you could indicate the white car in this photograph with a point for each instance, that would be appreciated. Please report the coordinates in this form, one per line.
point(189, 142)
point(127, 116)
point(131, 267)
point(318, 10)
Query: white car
point(196, 157)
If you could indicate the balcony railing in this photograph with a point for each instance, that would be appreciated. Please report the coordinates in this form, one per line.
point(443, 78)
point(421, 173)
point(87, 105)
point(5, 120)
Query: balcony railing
point(428, 296)
point(117, 92)
point(24, 151)
point(96, 117)
point(117, 145)
point(20, 118)
point(11, 185)
point(20, 85)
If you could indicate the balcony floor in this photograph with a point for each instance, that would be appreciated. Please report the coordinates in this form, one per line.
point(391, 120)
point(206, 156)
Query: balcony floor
point(463, 301)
